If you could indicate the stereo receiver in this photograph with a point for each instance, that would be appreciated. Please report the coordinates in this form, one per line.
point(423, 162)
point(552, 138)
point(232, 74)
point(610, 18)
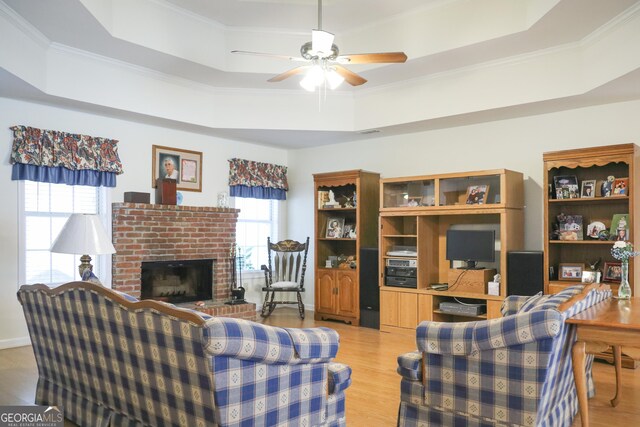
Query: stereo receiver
point(401, 262)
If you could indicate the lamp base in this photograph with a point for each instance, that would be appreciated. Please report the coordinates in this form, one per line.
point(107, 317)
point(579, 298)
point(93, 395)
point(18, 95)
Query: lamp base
point(85, 263)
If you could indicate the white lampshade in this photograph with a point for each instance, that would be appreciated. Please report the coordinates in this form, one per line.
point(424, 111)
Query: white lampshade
point(313, 79)
point(83, 234)
point(333, 79)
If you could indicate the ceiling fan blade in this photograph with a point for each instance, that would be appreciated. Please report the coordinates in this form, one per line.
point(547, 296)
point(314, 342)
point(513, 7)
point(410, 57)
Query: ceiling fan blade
point(321, 42)
point(350, 77)
point(372, 58)
point(270, 55)
point(287, 74)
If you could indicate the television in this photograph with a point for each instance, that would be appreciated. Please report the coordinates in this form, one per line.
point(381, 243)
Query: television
point(471, 246)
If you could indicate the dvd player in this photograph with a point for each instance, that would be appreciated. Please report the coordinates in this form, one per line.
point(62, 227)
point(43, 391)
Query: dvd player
point(401, 282)
point(463, 309)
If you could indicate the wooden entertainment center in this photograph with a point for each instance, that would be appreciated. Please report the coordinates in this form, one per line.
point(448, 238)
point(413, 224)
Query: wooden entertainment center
point(415, 214)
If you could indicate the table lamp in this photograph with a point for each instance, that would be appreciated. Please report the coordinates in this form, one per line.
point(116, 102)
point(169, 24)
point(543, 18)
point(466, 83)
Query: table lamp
point(81, 235)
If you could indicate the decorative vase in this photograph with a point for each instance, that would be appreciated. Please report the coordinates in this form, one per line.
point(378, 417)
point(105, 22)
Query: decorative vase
point(624, 291)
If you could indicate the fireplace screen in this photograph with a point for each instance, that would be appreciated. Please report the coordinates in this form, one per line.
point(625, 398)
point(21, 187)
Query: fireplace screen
point(177, 281)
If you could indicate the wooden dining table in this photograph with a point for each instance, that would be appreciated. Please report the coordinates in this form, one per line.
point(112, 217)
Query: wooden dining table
point(612, 323)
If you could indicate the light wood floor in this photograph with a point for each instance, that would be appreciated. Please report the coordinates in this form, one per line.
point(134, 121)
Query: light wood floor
point(373, 398)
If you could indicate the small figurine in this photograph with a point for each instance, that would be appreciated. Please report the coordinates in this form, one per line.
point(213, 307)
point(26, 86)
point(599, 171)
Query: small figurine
point(332, 203)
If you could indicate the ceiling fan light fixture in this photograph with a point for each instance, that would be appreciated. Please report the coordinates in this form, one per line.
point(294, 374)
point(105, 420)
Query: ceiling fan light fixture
point(313, 78)
point(321, 43)
point(333, 79)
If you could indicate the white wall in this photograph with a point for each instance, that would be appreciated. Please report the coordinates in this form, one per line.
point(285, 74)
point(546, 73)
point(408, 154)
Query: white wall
point(515, 144)
point(135, 152)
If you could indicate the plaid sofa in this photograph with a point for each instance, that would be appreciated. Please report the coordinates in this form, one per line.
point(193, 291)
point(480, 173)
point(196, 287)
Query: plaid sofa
point(515, 370)
point(111, 360)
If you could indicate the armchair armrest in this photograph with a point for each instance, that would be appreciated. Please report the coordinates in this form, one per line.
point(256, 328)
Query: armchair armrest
point(410, 366)
point(469, 337)
point(252, 341)
point(339, 377)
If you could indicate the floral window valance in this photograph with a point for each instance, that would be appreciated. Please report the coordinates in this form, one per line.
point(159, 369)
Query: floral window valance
point(64, 158)
point(257, 180)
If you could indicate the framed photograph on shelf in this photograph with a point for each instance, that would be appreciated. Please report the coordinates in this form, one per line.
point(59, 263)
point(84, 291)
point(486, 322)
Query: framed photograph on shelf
point(619, 227)
point(566, 187)
point(185, 166)
point(414, 201)
point(588, 189)
point(349, 231)
point(477, 194)
point(590, 277)
point(323, 198)
point(612, 272)
point(570, 227)
point(620, 187)
point(606, 188)
point(335, 227)
point(569, 271)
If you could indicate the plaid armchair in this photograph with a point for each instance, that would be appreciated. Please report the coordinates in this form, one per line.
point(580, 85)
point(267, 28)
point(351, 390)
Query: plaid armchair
point(515, 370)
point(111, 360)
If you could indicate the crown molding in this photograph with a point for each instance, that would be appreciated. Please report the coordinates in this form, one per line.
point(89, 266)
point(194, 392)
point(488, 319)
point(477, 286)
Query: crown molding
point(24, 26)
point(187, 13)
point(624, 18)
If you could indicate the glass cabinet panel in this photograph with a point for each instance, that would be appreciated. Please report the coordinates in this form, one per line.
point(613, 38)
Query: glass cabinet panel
point(408, 194)
point(470, 190)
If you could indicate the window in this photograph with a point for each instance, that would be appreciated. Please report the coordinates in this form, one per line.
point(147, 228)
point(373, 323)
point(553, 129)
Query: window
point(258, 219)
point(45, 209)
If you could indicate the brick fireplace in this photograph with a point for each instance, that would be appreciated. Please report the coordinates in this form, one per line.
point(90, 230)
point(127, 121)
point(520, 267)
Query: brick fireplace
point(144, 232)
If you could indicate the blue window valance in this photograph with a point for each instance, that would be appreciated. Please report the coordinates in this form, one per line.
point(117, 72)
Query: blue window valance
point(257, 180)
point(64, 158)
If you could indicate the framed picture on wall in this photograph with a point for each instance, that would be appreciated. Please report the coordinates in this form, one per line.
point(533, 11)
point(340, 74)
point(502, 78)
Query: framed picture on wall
point(185, 166)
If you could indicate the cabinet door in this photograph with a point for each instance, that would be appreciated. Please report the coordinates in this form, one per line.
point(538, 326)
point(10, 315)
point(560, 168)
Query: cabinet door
point(425, 307)
point(407, 310)
point(347, 293)
point(326, 291)
point(389, 308)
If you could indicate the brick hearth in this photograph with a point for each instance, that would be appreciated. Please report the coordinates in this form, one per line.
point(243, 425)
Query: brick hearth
point(144, 232)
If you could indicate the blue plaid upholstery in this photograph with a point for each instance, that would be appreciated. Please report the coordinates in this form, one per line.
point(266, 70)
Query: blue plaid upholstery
point(512, 304)
point(339, 377)
point(111, 362)
point(515, 370)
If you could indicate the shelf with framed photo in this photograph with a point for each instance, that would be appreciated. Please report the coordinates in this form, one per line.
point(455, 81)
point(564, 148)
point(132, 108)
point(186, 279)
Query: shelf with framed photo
point(597, 172)
point(415, 238)
point(345, 220)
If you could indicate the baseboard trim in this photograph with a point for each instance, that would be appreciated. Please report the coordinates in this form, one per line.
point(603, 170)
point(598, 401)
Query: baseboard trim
point(15, 342)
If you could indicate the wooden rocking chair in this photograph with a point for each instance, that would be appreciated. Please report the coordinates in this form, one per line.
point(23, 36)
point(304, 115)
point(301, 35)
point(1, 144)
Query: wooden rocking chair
point(285, 275)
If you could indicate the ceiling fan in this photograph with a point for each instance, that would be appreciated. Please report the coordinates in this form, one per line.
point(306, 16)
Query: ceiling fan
point(324, 62)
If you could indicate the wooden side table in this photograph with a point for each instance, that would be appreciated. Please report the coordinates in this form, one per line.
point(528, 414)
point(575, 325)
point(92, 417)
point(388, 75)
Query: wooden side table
point(613, 323)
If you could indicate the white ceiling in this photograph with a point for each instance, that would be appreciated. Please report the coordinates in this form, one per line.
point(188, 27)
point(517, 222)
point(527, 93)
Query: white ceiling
point(469, 61)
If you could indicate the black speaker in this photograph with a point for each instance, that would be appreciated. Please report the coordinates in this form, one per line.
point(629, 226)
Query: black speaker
point(369, 290)
point(525, 272)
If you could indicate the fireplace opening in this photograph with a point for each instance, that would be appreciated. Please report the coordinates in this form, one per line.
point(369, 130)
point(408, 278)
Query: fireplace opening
point(177, 281)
